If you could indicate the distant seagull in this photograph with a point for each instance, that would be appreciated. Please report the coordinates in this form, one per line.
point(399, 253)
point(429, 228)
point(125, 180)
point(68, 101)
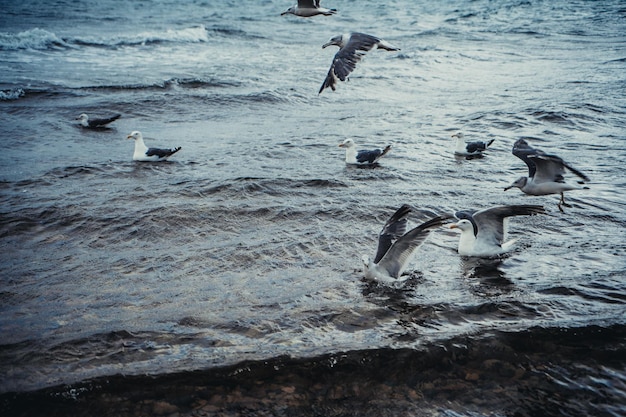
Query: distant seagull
point(145, 154)
point(545, 173)
point(362, 157)
point(96, 123)
point(395, 248)
point(469, 148)
point(352, 47)
point(483, 231)
point(308, 8)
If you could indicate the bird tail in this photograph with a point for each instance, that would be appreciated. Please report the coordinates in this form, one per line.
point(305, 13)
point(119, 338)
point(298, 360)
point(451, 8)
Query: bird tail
point(330, 12)
point(387, 149)
point(489, 143)
point(176, 149)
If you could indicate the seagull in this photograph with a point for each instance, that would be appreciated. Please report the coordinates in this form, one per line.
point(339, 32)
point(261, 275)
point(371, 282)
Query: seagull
point(483, 231)
point(308, 8)
point(471, 149)
point(545, 173)
point(362, 157)
point(352, 47)
point(396, 247)
point(145, 154)
point(96, 123)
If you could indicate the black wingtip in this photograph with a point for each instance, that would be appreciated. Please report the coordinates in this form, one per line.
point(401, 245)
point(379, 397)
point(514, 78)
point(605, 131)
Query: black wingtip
point(403, 211)
point(436, 221)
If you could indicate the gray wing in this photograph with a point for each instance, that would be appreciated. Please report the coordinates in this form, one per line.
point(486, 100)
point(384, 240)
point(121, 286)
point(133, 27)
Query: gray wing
point(346, 59)
point(308, 3)
point(490, 222)
point(552, 168)
point(393, 229)
point(524, 151)
point(162, 153)
point(102, 122)
point(398, 256)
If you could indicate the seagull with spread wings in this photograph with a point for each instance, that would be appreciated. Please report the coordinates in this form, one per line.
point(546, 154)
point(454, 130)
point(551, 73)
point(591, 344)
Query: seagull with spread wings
point(352, 47)
point(545, 173)
point(395, 248)
point(483, 232)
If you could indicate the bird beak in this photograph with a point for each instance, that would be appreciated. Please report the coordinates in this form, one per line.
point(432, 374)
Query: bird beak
point(508, 188)
point(341, 145)
point(453, 226)
point(283, 13)
point(326, 44)
point(129, 137)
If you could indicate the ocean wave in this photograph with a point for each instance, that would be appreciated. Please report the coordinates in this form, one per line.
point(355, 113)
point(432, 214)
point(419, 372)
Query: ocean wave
point(38, 39)
point(190, 83)
point(13, 94)
point(197, 34)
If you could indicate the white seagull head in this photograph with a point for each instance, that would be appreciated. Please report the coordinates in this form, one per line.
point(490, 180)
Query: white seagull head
point(348, 143)
point(135, 135)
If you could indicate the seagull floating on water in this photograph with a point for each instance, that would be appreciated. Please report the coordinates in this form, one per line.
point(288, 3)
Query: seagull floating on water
point(395, 248)
point(483, 231)
point(364, 156)
point(96, 123)
point(352, 47)
point(308, 8)
point(471, 149)
point(145, 154)
point(545, 173)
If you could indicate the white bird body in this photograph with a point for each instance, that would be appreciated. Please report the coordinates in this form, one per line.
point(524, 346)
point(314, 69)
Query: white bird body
point(483, 232)
point(544, 188)
point(144, 154)
point(308, 8)
point(475, 148)
point(362, 157)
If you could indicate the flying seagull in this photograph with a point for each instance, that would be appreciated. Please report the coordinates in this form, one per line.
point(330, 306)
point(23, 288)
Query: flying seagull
point(545, 173)
point(362, 157)
point(352, 47)
point(483, 231)
point(308, 8)
point(96, 123)
point(145, 154)
point(395, 248)
point(471, 149)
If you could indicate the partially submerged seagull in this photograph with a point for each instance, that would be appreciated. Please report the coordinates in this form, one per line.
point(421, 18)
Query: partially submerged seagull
point(352, 47)
point(96, 123)
point(308, 8)
point(471, 149)
point(145, 154)
point(364, 156)
point(483, 231)
point(545, 173)
point(395, 248)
